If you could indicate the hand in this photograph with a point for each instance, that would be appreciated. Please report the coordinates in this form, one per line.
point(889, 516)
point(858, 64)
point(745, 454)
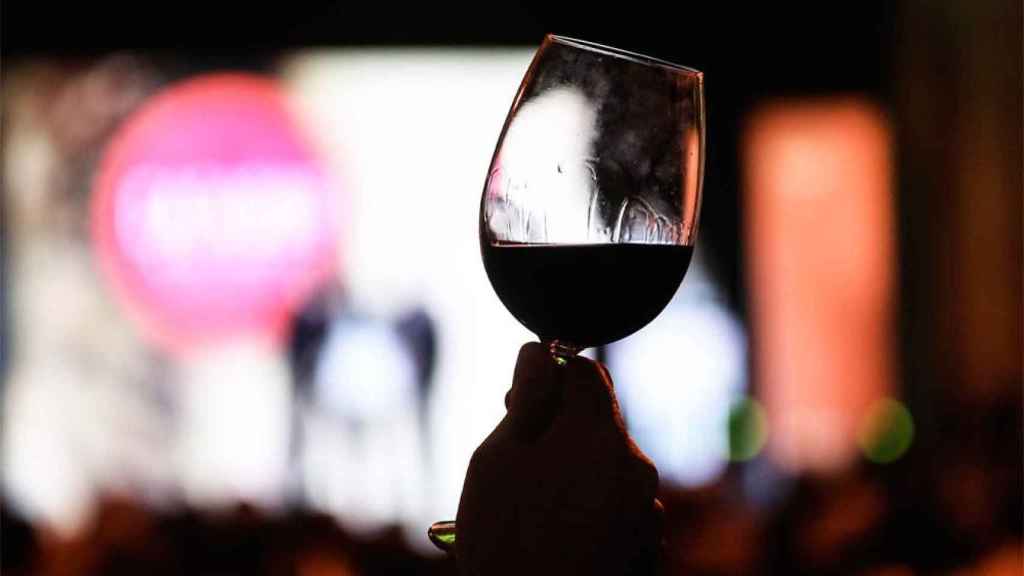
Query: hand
point(559, 487)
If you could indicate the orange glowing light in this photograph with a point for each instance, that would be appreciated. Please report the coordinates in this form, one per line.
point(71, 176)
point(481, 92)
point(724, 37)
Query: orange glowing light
point(819, 241)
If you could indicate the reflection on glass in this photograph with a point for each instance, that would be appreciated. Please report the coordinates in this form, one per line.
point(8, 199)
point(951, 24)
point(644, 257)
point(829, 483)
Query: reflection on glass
point(589, 210)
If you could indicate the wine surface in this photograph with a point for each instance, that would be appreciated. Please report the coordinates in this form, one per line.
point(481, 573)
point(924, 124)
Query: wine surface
point(585, 294)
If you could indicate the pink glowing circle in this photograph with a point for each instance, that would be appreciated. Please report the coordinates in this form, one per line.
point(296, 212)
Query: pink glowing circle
point(210, 214)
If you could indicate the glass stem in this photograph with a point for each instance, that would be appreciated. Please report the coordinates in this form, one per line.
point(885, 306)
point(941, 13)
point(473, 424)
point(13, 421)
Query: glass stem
point(562, 351)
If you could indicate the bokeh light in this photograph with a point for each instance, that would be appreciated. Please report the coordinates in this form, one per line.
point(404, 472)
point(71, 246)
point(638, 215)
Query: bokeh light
point(887, 432)
point(210, 214)
point(820, 245)
point(677, 379)
point(748, 429)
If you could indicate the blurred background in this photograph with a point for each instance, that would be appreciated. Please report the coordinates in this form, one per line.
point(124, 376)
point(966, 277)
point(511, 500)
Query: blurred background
point(246, 329)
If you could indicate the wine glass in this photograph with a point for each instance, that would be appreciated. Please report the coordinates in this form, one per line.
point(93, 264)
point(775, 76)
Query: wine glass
point(590, 207)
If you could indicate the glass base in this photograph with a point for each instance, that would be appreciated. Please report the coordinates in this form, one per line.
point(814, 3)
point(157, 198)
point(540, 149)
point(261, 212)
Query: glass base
point(442, 535)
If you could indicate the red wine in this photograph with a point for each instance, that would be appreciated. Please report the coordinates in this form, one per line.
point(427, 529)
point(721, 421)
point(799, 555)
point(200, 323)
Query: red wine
point(585, 294)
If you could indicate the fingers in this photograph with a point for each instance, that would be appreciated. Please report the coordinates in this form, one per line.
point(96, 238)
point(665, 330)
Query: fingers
point(646, 475)
point(537, 375)
point(576, 402)
point(536, 395)
point(588, 381)
point(559, 467)
point(542, 390)
point(659, 520)
point(648, 552)
point(590, 395)
point(578, 392)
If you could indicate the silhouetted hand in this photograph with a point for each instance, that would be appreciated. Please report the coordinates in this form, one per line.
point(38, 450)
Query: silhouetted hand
point(559, 487)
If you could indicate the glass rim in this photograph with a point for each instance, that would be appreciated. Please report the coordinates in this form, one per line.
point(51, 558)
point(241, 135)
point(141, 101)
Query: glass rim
point(623, 54)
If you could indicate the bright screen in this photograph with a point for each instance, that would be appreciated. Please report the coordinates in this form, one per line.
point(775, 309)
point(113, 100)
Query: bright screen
point(366, 397)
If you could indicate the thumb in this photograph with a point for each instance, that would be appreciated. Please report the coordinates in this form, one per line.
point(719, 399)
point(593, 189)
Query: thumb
point(590, 394)
point(536, 394)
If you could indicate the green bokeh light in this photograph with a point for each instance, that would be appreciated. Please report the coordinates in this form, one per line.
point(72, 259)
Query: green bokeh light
point(748, 430)
point(888, 431)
